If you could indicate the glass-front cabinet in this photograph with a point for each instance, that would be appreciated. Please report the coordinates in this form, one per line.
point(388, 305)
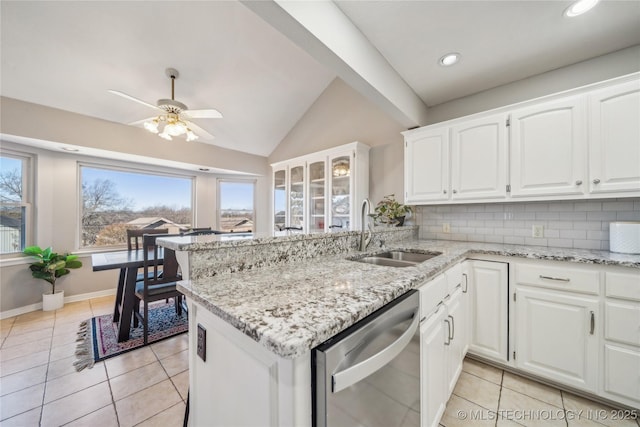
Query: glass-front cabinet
point(340, 212)
point(296, 197)
point(318, 192)
point(279, 198)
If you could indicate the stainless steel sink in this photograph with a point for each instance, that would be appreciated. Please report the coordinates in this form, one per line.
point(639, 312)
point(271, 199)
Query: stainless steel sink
point(415, 257)
point(397, 258)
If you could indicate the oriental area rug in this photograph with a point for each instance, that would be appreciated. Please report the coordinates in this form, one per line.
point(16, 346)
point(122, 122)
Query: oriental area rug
point(98, 336)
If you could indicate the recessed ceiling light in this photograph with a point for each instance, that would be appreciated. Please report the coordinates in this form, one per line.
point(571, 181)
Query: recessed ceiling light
point(449, 59)
point(579, 7)
point(70, 149)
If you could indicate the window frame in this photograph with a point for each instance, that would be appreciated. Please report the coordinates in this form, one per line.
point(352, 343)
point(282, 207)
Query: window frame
point(28, 193)
point(220, 181)
point(119, 167)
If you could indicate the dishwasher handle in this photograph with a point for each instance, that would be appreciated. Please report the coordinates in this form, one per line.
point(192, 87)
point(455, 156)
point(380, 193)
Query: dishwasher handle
point(348, 377)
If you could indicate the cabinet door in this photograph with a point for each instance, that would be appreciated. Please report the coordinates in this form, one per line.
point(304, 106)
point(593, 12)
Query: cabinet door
point(317, 195)
point(340, 206)
point(479, 159)
point(622, 374)
point(489, 296)
point(556, 336)
point(614, 139)
point(426, 160)
point(279, 199)
point(548, 149)
point(455, 348)
point(433, 336)
point(297, 196)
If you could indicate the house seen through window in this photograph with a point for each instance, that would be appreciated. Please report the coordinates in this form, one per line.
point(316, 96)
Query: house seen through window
point(15, 203)
point(114, 200)
point(236, 206)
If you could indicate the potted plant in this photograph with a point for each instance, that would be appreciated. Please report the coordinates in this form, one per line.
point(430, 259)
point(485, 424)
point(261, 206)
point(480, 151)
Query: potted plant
point(390, 211)
point(49, 267)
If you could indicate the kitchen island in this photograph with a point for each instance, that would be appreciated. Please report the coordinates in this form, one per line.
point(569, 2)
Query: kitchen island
point(263, 319)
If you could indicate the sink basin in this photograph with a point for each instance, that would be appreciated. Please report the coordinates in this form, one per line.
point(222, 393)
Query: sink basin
point(397, 258)
point(414, 257)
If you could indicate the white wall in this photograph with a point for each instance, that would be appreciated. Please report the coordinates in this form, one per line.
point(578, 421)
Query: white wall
point(56, 212)
point(341, 115)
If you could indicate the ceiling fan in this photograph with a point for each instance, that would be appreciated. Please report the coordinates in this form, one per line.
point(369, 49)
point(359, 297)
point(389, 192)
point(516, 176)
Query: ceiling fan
point(174, 115)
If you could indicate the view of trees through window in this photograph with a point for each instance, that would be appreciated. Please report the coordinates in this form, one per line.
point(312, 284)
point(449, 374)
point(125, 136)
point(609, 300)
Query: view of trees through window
point(13, 204)
point(236, 208)
point(115, 200)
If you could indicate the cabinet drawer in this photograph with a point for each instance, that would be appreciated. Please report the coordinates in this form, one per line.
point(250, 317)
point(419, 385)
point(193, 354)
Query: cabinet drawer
point(454, 278)
point(431, 294)
point(622, 322)
point(558, 277)
point(623, 285)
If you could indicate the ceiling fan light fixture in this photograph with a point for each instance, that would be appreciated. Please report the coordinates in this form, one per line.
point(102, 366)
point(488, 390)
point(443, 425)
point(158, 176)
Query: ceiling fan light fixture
point(579, 7)
point(152, 125)
point(449, 59)
point(165, 135)
point(191, 136)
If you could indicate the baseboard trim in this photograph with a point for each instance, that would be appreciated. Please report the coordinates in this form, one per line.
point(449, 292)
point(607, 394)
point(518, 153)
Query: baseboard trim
point(73, 298)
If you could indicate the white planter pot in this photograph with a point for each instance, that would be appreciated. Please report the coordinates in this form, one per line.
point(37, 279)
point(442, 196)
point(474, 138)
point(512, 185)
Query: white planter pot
point(52, 301)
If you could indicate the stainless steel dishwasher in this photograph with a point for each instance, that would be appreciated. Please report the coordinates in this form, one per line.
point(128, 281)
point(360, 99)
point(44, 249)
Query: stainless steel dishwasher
point(369, 374)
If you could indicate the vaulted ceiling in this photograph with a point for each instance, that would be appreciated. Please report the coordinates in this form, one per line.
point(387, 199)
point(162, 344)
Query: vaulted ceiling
point(264, 63)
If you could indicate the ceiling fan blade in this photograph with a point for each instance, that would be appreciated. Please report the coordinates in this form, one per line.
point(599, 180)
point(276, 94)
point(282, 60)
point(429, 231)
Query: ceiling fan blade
point(203, 114)
point(200, 132)
point(131, 98)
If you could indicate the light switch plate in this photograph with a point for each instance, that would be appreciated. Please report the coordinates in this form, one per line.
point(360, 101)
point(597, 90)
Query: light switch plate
point(537, 231)
point(446, 227)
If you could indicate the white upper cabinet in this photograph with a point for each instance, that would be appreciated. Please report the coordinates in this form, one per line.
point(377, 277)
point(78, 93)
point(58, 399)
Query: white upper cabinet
point(426, 160)
point(580, 144)
point(548, 148)
point(479, 159)
point(614, 161)
point(321, 191)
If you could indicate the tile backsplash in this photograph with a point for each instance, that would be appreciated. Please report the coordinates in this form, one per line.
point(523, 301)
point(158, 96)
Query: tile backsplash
point(566, 224)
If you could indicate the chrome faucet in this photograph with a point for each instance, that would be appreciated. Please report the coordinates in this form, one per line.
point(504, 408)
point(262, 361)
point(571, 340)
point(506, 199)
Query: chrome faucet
point(365, 235)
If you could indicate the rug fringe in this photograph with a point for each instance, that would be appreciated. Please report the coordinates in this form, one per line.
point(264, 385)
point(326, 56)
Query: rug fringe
point(83, 349)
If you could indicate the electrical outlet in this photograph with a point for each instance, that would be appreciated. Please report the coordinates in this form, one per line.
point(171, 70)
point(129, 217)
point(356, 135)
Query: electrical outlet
point(201, 348)
point(537, 231)
point(446, 227)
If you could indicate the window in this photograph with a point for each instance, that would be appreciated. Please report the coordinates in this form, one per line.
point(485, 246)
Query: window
point(235, 206)
point(114, 200)
point(15, 202)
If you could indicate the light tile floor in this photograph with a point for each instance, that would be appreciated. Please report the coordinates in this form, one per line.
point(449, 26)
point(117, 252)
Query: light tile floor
point(39, 385)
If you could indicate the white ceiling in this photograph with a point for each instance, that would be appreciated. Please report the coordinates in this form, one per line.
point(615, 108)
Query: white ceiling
point(68, 54)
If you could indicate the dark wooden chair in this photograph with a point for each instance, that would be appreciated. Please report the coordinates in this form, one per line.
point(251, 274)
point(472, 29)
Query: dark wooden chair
point(159, 280)
point(134, 242)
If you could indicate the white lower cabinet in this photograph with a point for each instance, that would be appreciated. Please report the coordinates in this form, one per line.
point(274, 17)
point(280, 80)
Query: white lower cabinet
point(433, 395)
point(556, 336)
point(621, 348)
point(488, 300)
point(443, 341)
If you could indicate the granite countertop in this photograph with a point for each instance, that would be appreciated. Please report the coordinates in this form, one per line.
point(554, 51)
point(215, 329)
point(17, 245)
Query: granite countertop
point(294, 307)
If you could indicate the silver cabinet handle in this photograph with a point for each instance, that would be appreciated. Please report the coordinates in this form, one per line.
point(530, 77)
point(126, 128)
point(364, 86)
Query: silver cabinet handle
point(444, 191)
point(559, 279)
point(448, 332)
point(453, 327)
point(593, 323)
point(579, 182)
point(466, 283)
point(455, 191)
point(596, 181)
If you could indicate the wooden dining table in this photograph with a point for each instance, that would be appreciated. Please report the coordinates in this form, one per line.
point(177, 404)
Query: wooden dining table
point(128, 262)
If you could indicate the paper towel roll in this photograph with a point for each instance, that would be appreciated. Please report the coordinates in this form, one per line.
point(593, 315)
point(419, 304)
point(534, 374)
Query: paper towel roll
point(624, 237)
